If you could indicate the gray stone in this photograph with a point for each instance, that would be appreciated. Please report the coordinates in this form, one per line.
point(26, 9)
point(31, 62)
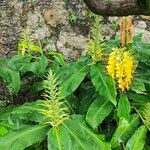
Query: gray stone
point(146, 34)
point(51, 19)
point(140, 24)
point(69, 42)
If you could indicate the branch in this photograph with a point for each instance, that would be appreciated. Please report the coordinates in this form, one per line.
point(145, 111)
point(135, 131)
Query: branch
point(119, 7)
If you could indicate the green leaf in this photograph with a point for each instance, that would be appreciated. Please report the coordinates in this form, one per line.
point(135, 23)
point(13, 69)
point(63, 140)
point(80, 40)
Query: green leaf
point(37, 86)
point(124, 131)
point(138, 86)
point(3, 130)
point(19, 140)
point(98, 111)
point(137, 141)
point(34, 67)
point(112, 43)
point(14, 81)
point(124, 107)
point(139, 98)
point(24, 64)
point(137, 39)
point(11, 77)
point(43, 63)
point(58, 139)
point(144, 53)
point(75, 134)
point(27, 111)
point(73, 103)
point(143, 73)
point(72, 78)
point(19, 63)
point(103, 83)
point(57, 56)
point(87, 95)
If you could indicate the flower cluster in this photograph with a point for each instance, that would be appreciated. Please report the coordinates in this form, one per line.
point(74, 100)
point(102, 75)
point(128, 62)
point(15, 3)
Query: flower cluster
point(96, 44)
point(126, 36)
point(120, 67)
point(54, 109)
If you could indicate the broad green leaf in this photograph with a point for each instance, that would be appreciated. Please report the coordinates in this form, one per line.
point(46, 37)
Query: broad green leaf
point(143, 72)
point(98, 111)
point(124, 131)
point(112, 43)
point(34, 67)
point(137, 39)
point(124, 107)
point(19, 63)
point(139, 98)
point(87, 95)
point(37, 86)
point(75, 134)
point(73, 103)
point(43, 63)
point(6, 110)
point(19, 140)
point(144, 53)
point(38, 67)
point(137, 141)
point(57, 56)
point(11, 77)
point(3, 130)
point(27, 111)
point(138, 86)
point(14, 81)
point(25, 64)
point(103, 83)
point(72, 78)
point(59, 139)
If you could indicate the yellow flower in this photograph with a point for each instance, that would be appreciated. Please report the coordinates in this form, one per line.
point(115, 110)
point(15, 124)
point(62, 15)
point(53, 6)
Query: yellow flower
point(120, 67)
point(119, 74)
point(128, 68)
point(111, 64)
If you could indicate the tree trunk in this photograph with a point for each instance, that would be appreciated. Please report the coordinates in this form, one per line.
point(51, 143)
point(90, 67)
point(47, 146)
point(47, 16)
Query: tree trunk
point(119, 7)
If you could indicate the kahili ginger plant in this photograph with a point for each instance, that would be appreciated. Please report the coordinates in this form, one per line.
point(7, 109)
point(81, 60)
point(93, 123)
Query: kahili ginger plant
point(55, 111)
point(96, 44)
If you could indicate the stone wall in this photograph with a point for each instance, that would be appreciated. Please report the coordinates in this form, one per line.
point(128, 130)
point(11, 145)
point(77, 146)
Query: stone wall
point(63, 22)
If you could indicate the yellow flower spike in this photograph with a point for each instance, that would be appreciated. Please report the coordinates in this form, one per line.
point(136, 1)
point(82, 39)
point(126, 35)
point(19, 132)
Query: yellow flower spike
point(120, 75)
point(120, 67)
point(111, 64)
point(128, 69)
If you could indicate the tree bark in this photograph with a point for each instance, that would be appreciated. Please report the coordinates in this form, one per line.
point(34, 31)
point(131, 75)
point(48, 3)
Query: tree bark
point(119, 7)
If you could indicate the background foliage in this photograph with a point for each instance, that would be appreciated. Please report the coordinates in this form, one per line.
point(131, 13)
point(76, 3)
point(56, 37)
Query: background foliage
point(81, 106)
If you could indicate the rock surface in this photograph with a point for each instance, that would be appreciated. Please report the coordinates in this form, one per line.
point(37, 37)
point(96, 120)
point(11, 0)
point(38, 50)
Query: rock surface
point(64, 22)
